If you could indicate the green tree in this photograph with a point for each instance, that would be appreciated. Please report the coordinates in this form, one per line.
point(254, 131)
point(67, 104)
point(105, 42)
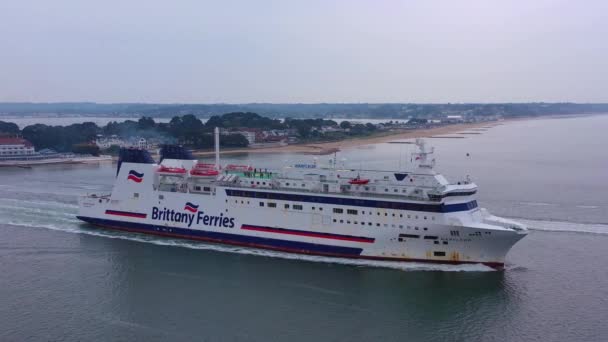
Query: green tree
point(345, 125)
point(146, 123)
point(86, 148)
point(8, 127)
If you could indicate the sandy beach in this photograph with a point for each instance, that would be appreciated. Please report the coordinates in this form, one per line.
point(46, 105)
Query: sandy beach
point(323, 148)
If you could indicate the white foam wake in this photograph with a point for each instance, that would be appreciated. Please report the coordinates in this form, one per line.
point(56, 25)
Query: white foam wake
point(560, 226)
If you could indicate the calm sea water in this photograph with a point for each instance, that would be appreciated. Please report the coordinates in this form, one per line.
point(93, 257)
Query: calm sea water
point(63, 280)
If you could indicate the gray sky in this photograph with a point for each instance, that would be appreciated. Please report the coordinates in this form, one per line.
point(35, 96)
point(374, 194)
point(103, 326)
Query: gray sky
point(303, 51)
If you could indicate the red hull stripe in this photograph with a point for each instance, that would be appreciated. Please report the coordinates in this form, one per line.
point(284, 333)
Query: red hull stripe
point(134, 178)
point(125, 213)
point(117, 226)
point(308, 234)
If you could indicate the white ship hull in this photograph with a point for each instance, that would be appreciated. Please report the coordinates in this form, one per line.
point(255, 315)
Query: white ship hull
point(444, 233)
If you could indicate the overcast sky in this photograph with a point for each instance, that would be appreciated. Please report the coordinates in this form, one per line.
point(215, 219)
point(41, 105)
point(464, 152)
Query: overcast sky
point(303, 51)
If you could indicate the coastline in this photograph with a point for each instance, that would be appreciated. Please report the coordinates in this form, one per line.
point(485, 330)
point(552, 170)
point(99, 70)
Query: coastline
point(324, 148)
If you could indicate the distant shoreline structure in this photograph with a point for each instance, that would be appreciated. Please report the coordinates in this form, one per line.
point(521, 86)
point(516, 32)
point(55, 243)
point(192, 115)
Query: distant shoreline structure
point(19, 152)
point(301, 110)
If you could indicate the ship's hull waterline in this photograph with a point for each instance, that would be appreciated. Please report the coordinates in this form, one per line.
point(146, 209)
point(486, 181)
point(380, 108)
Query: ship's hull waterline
point(280, 245)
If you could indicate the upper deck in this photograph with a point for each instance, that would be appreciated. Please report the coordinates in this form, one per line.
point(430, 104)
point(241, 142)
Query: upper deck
point(420, 184)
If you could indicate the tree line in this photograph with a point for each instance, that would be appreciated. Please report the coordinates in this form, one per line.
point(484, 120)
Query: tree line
point(186, 130)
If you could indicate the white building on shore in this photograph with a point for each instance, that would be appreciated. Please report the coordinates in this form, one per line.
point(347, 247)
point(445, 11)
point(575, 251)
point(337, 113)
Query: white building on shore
point(13, 147)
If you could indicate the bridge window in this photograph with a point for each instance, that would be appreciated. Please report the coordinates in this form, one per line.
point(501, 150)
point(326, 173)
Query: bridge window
point(297, 207)
point(261, 204)
point(338, 211)
point(351, 211)
point(286, 206)
point(272, 205)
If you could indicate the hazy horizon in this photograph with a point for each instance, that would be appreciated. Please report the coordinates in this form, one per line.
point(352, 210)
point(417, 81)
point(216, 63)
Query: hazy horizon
point(238, 52)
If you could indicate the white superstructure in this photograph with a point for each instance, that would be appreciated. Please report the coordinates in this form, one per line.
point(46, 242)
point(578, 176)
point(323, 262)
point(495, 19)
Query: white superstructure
point(327, 210)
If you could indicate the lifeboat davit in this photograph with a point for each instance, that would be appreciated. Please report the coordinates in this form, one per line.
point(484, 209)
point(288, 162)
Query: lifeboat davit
point(358, 181)
point(171, 170)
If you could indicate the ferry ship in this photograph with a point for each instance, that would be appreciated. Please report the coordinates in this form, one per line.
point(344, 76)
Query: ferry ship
point(328, 210)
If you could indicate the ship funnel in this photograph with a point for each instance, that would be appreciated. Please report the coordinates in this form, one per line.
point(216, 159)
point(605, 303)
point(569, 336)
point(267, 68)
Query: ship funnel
point(175, 152)
point(133, 155)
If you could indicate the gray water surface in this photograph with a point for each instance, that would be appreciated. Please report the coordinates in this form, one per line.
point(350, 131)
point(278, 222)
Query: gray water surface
point(61, 280)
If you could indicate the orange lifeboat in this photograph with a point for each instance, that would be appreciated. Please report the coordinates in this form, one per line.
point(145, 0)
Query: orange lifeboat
point(172, 170)
point(358, 181)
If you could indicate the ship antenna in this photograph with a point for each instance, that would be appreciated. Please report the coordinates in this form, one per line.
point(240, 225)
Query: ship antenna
point(335, 159)
point(217, 148)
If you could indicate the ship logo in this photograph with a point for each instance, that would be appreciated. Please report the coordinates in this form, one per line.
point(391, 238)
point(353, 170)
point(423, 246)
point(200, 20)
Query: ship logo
point(191, 207)
point(135, 176)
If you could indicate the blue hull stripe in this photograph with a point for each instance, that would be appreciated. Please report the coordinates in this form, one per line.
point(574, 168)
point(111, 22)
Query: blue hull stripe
point(356, 202)
point(227, 238)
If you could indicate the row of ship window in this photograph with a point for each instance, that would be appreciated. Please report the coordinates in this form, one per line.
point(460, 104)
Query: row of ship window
point(15, 152)
point(435, 239)
point(366, 188)
point(356, 212)
point(335, 210)
point(378, 224)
